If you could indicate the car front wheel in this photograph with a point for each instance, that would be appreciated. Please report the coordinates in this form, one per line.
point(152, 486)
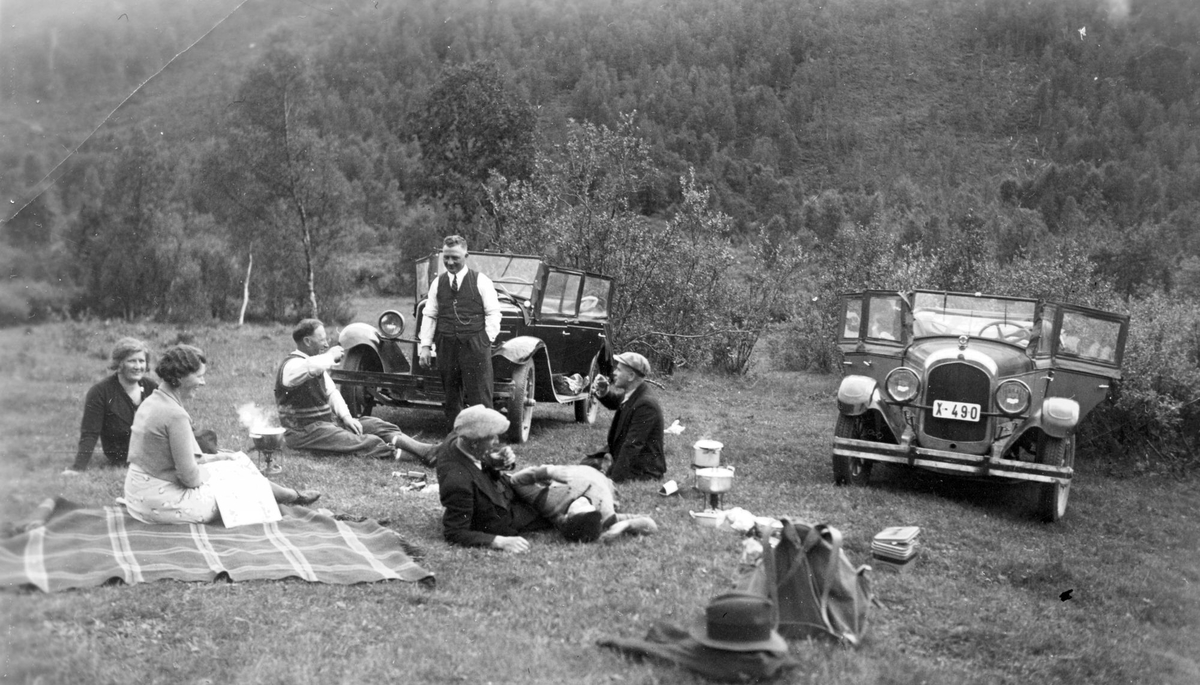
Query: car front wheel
point(587, 409)
point(359, 400)
point(520, 405)
point(1052, 497)
point(848, 469)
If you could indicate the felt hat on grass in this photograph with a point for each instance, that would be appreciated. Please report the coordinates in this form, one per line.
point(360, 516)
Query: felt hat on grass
point(738, 622)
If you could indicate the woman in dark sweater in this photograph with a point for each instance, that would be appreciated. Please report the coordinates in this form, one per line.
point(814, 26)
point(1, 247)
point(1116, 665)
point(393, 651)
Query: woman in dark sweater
point(110, 405)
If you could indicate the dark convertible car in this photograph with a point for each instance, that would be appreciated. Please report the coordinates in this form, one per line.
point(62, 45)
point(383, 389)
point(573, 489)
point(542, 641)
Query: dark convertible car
point(553, 341)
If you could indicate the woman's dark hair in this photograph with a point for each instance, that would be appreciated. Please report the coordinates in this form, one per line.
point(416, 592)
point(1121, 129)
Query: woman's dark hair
point(179, 362)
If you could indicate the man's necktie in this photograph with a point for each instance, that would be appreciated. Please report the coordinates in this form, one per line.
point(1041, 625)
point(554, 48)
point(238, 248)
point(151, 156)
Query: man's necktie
point(454, 283)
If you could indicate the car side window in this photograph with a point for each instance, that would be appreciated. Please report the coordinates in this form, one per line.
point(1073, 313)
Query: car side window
point(561, 297)
point(851, 318)
point(1088, 337)
point(884, 320)
point(594, 303)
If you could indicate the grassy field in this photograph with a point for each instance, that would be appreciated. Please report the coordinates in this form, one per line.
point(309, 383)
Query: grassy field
point(981, 605)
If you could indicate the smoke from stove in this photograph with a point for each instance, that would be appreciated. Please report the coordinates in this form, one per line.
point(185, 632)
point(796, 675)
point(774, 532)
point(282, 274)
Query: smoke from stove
point(253, 418)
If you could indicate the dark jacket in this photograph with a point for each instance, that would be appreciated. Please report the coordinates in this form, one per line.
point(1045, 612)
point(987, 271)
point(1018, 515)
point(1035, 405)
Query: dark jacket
point(108, 416)
point(635, 438)
point(479, 504)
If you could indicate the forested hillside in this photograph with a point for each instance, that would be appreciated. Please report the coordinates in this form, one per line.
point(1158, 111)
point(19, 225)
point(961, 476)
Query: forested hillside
point(1047, 147)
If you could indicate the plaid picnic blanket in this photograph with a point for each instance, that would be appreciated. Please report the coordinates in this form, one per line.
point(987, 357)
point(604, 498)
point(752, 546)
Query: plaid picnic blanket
point(68, 546)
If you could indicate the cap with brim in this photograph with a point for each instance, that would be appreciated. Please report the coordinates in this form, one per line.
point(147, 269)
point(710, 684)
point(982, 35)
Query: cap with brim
point(634, 361)
point(477, 422)
point(738, 622)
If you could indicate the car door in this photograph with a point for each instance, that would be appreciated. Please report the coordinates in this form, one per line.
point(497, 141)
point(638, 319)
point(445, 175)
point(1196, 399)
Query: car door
point(873, 332)
point(1086, 352)
point(557, 308)
point(590, 328)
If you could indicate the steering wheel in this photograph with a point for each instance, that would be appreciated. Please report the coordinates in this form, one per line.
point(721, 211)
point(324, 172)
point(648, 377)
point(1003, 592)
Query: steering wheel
point(1017, 336)
point(592, 303)
point(504, 293)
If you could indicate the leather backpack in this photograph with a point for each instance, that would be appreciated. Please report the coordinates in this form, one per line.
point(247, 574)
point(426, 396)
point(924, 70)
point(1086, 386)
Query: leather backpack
point(815, 588)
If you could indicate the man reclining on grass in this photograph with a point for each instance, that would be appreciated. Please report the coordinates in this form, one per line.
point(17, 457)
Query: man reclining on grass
point(560, 493)
point(482, 506)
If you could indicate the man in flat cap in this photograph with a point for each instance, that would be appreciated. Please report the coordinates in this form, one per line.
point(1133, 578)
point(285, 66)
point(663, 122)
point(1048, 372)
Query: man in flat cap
point(482, 509)
point(635, 438)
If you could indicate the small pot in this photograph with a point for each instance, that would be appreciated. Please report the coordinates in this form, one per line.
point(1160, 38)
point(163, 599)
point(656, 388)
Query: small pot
point(706, 453)
point(269, 439)
point(714, 480)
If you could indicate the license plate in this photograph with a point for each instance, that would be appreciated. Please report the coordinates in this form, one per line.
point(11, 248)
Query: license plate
point(958, 411)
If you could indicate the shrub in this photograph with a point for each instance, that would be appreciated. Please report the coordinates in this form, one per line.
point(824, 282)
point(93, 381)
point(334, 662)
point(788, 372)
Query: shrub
point(24, 302)
point(675, 302)
point(1156, 415)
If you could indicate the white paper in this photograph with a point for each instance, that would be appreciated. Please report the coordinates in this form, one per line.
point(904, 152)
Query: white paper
point(243, 494)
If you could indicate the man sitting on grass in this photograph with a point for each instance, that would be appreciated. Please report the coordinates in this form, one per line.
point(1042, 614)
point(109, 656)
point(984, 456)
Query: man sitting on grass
point(635, 438)
point(308, 403)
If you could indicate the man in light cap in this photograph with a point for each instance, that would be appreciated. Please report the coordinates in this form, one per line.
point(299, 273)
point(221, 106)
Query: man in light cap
point(635, 438)
point(481, 509)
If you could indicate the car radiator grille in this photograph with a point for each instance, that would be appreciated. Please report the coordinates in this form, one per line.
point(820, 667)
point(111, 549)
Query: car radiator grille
point(957, 383)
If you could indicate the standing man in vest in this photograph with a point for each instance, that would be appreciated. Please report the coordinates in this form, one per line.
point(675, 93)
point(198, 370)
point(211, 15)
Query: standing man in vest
point(311, 408)
point(462, 314)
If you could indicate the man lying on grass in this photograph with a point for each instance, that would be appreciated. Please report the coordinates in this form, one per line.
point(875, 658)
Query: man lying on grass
point(568, 493)
point(484, 509)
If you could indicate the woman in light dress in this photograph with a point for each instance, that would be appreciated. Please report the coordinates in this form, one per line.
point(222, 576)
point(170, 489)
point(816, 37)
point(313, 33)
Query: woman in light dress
point(167, 481)
point(111, 404)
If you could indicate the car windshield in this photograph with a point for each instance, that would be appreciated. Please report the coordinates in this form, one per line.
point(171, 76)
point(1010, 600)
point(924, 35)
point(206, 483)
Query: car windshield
point(514, 274)
point(996, 318)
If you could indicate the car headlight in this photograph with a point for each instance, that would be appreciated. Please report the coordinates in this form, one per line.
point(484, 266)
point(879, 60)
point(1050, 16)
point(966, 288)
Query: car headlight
point(902, 384)
point(1012, 397)
point(391, 324)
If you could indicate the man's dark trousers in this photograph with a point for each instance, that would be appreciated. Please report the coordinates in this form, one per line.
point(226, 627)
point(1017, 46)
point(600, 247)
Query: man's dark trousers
point(465, 363)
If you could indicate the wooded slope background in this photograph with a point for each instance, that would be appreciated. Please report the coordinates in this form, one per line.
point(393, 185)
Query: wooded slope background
point(758, 155)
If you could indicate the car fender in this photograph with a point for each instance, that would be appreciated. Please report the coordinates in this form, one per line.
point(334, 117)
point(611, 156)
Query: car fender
point(1059, 416)
point(518, 350)
point(359, 334)
point(856, 395)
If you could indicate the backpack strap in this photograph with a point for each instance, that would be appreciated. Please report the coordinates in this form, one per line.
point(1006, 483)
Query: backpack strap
point(792, 537)
point(768, 562)
point(833, 536)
